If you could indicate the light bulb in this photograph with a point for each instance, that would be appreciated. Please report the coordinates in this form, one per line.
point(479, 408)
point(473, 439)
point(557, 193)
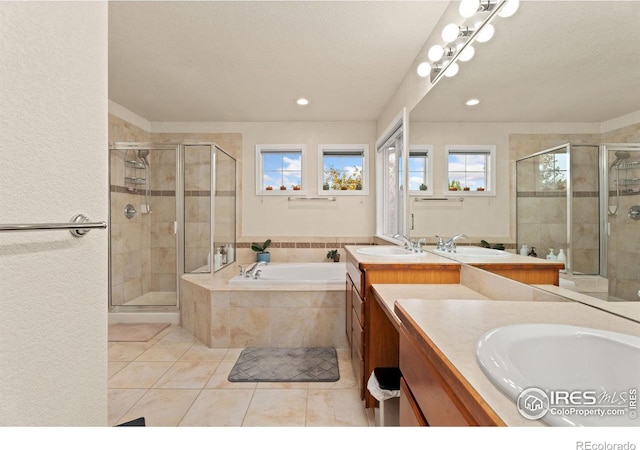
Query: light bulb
point(509, 9)
point(436, 53)
point(450, 32)
point(451, 71)
point(424, 69)
point(302, 101)
point(468, 8)
point(486, 33)
point(472, 102)
point(467, 53)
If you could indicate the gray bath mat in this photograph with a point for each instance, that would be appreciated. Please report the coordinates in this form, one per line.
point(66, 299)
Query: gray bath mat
point(286, 365)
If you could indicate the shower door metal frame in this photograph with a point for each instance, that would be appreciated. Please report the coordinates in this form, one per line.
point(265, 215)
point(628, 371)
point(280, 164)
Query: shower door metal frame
point(179, 225)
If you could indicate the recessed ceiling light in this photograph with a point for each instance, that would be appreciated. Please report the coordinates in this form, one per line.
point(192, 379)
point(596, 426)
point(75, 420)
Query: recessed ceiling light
point(302, 101)
point(472, 102)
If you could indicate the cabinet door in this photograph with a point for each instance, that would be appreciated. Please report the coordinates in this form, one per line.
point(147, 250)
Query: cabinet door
point(349, 305)
point(410, 415)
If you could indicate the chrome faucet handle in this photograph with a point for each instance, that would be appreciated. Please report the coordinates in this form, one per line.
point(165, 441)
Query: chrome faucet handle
point(419, 245)
point(243, 272)
point(440, 243)
point(256, 276)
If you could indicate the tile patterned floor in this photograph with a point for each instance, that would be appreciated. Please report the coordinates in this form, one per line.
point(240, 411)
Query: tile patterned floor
point(175, 380)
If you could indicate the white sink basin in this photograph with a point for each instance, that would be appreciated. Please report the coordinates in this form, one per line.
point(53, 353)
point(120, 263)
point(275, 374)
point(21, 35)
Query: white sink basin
point(475, 251)
point(564, 375)
point(385, 250)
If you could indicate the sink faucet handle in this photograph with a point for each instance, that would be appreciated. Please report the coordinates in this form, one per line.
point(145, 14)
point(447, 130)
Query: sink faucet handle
point(440, 244)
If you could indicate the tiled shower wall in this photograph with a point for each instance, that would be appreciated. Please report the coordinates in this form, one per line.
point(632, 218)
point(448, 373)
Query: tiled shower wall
point(143, 252)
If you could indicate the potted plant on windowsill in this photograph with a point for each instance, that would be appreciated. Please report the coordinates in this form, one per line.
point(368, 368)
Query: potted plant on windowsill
point(261, 251)
point(296, 187)
point(333, 254)
point(283, 188)
point(423, 187)
point(454, 185)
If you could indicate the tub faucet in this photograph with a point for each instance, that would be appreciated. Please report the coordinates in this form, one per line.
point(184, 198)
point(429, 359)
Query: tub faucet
point(251, 271)
point(450, 245)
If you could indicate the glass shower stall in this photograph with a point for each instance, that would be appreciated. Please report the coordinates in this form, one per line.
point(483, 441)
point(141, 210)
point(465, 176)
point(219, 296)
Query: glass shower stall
point(579, 198)
point(172, 206)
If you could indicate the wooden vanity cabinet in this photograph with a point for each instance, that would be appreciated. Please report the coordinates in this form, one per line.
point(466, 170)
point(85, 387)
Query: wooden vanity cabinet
point(372, 338)
point(433, 391)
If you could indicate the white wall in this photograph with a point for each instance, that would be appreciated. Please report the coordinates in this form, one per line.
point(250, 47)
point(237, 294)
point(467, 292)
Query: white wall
point(53, 164)
point(275, 217)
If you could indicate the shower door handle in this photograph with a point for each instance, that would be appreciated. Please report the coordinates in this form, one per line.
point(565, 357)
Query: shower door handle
point(634, 212)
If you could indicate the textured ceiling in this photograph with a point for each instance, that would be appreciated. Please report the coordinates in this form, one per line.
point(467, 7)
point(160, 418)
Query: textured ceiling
point(249, 60)
point(554, 61)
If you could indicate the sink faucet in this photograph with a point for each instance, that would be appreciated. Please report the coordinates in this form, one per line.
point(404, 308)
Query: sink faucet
point(414, 245)
point(450, 245)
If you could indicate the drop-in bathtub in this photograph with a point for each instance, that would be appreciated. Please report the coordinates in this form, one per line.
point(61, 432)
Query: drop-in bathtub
point(295, 273)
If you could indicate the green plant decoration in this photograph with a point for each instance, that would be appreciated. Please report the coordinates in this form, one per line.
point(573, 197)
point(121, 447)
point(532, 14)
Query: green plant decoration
point(261, 248)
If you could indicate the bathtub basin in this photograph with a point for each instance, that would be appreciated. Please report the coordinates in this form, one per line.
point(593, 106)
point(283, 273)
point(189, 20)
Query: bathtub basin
point(295, 273)
point(473, 251)
point(564, 375)
point(385, 250)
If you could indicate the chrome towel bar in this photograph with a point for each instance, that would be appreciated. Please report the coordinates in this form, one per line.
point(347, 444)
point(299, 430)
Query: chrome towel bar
point(325, 199)
point(436, 199)
point(78, 226)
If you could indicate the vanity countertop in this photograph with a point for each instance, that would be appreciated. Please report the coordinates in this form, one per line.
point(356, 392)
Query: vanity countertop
point(410, 259)
point(454, 326)
point(507, 259)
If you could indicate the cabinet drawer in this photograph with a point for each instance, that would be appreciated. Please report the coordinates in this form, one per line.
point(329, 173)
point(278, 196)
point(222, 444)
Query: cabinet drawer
point(358, 307)
point(410, 415)
point(438, 403)
point(357, 334)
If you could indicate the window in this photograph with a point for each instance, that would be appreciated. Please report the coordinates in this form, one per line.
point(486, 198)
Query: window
point(343, 169)
point(471, 168)
point(279, 169)
point(420, 170)
point(390, 191)
point(553, 171)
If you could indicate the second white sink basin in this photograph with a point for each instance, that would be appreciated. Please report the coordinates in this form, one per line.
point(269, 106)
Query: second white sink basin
point(580, 371)
point(385, 250)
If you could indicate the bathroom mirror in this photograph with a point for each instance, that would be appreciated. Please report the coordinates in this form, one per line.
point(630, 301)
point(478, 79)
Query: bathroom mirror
point(556, 71)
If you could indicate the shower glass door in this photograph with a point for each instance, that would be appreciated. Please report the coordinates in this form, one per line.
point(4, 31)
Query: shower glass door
point(144, 179)
point(622, 247)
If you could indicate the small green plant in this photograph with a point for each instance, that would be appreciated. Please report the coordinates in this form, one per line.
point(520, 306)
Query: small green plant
point(261, 248)
point(423, 187)
point(455, 185)
point(485, 244)
point(333, 254)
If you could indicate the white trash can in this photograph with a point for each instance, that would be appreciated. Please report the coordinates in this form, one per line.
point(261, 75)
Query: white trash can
point(384, 386)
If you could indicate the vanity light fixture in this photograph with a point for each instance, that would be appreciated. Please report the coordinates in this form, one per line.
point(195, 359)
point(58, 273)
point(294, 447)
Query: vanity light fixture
point(481, 31)
point(486, 33)
point(302, 101)
point(472, 102)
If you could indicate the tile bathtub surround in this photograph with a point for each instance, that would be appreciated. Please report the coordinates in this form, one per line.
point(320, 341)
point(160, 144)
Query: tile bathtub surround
point(237, 317)
point(175, 380)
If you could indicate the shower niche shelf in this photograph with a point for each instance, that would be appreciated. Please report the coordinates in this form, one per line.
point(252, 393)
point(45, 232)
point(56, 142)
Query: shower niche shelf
point(134, 164)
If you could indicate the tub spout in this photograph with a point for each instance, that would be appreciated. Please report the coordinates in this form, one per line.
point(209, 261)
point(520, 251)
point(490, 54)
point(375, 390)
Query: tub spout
point(250, 272)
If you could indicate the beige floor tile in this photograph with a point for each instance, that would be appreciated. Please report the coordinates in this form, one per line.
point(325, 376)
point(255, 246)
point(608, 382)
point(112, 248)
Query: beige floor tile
point(162, 407)
point(233, 354)
point(127, 351)
point(187, 375)
point(274, 385)
point(200, 352)
point(165, 351)
point(219, 379)
point(114, 367)
point(178, 334)
point(335, 408)
point(277, 407)
point(120, 401)
point(347, 379)
point(139, 375)
point(218, 408)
